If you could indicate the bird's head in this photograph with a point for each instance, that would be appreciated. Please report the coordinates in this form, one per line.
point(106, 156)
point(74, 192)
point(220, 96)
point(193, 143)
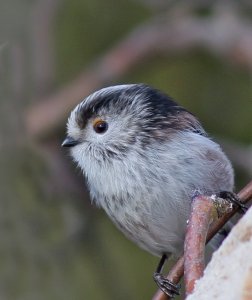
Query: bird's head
point(116, 122)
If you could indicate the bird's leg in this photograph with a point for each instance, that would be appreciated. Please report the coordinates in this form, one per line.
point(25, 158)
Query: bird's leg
point(165, 285)
point(233, 198)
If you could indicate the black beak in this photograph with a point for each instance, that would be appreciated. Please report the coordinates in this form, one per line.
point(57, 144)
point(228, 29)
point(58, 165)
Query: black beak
point(69, 142)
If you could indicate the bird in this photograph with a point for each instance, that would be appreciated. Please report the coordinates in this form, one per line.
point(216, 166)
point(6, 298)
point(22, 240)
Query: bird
point(144, 156)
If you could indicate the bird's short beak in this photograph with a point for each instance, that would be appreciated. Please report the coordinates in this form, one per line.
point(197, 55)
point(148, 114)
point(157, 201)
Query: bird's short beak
point(69, 142)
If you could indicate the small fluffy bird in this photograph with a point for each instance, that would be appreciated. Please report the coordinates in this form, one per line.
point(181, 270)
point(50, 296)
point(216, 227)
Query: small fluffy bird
point(144, 156)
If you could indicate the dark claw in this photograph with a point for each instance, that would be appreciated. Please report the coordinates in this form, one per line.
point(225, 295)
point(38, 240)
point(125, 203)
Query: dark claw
point(165, 285)
point(232, 197)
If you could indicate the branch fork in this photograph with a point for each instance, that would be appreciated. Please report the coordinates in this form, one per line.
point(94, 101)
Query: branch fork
point(209, 215)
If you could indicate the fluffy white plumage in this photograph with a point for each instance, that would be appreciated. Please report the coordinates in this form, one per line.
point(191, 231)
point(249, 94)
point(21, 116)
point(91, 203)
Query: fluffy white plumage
point(145, 168)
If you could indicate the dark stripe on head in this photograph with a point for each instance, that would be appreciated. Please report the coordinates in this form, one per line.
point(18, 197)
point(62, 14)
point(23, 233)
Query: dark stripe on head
point(156, 110)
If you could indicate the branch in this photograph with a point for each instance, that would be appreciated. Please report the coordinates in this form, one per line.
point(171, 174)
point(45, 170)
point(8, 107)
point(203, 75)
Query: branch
point(227, 37)
point(178, 270)
point(203, 212)
point(229, 272)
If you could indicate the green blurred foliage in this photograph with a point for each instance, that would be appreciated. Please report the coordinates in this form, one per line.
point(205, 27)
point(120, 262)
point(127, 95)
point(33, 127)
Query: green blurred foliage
point(53, 244)
point(219, 94)
point(86, 29)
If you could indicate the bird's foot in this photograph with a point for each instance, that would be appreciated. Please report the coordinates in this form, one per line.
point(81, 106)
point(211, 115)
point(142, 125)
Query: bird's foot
point(233, 198)
point(165, 285)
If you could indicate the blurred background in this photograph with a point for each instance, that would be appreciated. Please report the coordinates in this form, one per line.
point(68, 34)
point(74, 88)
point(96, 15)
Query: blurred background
point(53, 53)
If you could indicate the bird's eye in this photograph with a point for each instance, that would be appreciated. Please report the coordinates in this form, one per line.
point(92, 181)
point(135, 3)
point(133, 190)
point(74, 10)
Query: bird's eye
point(100, 126)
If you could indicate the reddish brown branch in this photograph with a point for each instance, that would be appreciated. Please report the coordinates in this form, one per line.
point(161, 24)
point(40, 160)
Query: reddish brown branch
point(178, 270)
point(203, 213)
